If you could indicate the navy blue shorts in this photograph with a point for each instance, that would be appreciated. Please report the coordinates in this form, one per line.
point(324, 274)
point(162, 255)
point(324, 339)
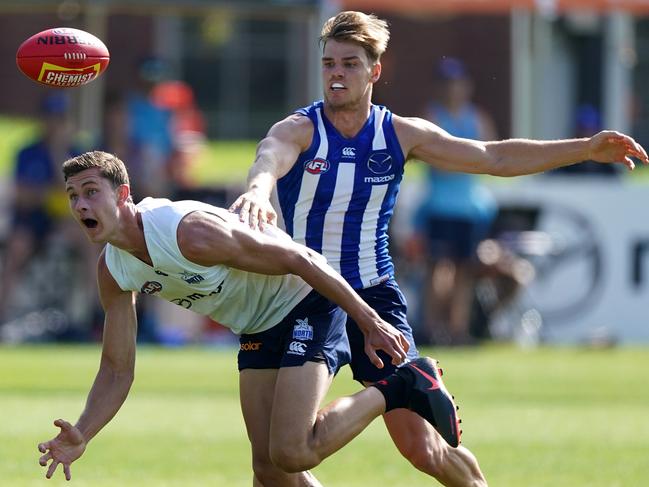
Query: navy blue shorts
point(390, 303)
point(314, 331)
point(455, 238)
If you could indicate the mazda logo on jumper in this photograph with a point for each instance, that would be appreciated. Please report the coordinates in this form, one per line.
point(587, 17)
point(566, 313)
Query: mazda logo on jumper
point(380, 163)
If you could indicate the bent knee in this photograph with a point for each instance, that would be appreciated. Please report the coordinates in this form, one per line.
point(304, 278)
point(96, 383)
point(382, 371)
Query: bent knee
point(293, 458)
point(268, 474)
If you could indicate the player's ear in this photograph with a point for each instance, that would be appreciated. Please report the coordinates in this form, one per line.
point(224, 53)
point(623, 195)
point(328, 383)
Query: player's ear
point(376, 72)
point(123, 193)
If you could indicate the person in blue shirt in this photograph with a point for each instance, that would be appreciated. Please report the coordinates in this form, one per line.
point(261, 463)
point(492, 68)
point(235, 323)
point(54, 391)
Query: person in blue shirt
point(337, 165)
point(455, 214)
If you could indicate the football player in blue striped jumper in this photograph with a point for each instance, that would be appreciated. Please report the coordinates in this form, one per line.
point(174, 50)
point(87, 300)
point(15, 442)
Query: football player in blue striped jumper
point(337, 165)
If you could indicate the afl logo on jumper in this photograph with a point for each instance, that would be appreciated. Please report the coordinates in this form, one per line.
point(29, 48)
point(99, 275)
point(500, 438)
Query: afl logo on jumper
point(151, 287)
point(316, 166)
point(380, 163)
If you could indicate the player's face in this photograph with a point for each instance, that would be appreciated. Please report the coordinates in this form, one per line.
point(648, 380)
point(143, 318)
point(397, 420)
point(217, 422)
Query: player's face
point(94, 204)
point(347, 75)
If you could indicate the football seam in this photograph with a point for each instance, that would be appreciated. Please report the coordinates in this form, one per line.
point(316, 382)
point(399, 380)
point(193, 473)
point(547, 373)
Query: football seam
point(62, 56)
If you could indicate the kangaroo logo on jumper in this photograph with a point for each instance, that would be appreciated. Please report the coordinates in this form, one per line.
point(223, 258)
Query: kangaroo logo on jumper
point(349, 152)
point(380, 162)
point(317, 166)
point(151, 287)
point(297, 348)
point(191, 277)
point(303, 331)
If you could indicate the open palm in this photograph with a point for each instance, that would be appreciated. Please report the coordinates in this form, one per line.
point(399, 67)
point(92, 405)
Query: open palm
point(63, 449)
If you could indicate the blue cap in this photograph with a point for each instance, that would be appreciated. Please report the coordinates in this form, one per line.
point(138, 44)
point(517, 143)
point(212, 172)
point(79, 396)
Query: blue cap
point(450, 68)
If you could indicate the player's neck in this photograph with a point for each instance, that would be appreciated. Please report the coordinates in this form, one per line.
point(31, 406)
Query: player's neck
point(348, 120)
point(130, 236)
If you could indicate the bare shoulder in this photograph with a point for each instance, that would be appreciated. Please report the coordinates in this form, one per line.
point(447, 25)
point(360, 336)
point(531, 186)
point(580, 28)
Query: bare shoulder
point(296, 129)
point(203, 236)
point(213, 238)
point(413, 131)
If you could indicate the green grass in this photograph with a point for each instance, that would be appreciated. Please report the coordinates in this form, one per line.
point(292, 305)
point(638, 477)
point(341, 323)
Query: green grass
point(543, 418)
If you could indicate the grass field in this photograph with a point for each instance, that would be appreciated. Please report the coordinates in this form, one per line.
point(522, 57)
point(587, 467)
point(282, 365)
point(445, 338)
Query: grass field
point(542, 418)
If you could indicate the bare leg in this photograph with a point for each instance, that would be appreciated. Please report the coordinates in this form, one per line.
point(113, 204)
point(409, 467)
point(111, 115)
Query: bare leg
point(460, 303)
point(300, 435)
point(420, 444)
point(306, 479)
point(257, 389)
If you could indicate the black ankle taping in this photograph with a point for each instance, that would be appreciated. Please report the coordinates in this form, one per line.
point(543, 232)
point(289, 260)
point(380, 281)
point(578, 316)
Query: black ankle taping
point(395, 391)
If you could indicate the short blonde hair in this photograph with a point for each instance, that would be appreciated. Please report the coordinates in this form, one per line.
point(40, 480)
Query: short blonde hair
point(368, 31)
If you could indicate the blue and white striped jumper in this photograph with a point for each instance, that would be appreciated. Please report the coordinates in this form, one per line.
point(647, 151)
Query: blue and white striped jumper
point(339, 196)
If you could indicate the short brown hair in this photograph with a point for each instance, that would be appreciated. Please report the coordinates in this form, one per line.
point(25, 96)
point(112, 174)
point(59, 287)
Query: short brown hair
point(368, 31)
point(111, 167)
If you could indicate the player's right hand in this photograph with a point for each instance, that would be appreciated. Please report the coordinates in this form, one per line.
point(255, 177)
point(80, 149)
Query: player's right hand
point(64, 448)
point(383, 336)
point(255, 210)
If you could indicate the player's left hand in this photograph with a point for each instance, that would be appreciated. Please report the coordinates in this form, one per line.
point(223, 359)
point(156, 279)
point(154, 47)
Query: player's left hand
point(65, 448)
point(383, 336)
point(255, 210)
point(611, 146)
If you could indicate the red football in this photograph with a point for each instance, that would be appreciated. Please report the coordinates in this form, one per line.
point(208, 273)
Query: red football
point(62, 57)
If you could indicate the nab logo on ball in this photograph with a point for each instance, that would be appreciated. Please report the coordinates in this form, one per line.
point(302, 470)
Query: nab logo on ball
point(62, 57)
point(316, 166)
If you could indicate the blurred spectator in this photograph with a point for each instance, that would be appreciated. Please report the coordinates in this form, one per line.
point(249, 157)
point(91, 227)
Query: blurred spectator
point(150, 133)
point(455, 214)
point(115, 137)
point(160, 134)
point(38, 204)
point(187, 128)
point(588, 123)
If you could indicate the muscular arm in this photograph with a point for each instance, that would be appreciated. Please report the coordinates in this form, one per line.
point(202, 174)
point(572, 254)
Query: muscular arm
point(117, 365)
point(208, 240)
point(275, 156)
point(112, 382)
point(427, 142)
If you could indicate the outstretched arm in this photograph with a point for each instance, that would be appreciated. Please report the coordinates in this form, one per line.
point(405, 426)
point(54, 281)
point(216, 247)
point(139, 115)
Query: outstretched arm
point(112, 383)
point(427, 142)
point(275, 156)
point(209, 239)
